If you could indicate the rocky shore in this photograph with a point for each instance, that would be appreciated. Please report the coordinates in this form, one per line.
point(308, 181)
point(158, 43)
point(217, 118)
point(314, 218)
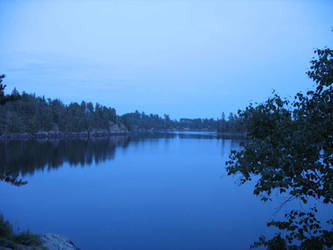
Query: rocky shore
point(57, 242)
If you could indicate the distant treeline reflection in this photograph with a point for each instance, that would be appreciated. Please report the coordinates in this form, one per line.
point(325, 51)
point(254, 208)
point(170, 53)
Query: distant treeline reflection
point(19, 158)
point(25, 157)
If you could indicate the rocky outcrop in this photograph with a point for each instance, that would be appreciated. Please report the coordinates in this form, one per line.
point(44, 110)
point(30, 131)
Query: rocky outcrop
point(57, 242)
point(116, 128)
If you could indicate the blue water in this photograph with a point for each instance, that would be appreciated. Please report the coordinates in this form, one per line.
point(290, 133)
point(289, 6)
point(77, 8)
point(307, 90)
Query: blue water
point(135, 193)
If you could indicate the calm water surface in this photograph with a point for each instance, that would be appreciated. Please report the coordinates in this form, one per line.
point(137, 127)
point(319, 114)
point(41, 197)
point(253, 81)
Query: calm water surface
point(156, 192)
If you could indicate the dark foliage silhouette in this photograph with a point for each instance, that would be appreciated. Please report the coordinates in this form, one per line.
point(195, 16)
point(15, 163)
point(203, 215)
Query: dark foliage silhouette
point(290, 149)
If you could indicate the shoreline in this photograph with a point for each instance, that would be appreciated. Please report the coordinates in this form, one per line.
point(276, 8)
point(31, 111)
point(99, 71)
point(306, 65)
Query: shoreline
point(60, 135)
point(105, 134)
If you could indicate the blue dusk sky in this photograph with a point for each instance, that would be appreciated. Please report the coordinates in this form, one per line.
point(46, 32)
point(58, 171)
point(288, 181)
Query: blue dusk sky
point(186, 58)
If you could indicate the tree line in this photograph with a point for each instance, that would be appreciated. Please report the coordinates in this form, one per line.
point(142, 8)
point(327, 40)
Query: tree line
point(139, 121)
point(31, 114)
point(28, 113)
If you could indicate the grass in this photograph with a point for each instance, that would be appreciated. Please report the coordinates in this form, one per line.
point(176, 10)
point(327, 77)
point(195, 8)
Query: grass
point(10, 239)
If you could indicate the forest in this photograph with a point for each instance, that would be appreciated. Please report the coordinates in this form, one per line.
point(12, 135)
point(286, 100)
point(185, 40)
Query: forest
point(143, 122)
point(31, 114)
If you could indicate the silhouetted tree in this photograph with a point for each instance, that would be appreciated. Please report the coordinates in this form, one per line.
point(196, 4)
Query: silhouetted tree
point(6, 98)
point(6, 176)
point(290, 149)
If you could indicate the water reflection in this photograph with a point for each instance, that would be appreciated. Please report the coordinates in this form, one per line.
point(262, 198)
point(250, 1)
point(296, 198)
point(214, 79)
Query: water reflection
point(25, 157)
point(166, 187)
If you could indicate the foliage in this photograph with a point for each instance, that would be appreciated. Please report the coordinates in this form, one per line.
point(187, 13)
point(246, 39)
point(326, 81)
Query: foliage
point(6, 177)
point(10, 239)
point(6, 98)
point(13, 179)
point(290, 149)
point(143, 122)
point(234, 124)
point(31, 114)
point(301, 226)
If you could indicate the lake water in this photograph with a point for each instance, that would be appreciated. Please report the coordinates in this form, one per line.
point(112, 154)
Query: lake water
point(153, 192)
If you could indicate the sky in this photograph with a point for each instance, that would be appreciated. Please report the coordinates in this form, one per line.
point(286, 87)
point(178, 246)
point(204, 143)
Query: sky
point(185, 58)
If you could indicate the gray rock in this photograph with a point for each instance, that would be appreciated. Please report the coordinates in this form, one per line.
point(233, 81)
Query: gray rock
point(57, 242)
point(117, 128)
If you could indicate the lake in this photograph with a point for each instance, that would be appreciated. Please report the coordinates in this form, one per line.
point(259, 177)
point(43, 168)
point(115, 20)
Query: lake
point(140, 192)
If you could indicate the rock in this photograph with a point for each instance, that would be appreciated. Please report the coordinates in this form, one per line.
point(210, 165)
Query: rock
point(117, 128)
point(57, 242)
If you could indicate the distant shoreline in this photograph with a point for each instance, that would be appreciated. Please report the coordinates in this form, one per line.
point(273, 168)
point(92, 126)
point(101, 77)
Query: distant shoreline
point(105, 134)
point(60, 135)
